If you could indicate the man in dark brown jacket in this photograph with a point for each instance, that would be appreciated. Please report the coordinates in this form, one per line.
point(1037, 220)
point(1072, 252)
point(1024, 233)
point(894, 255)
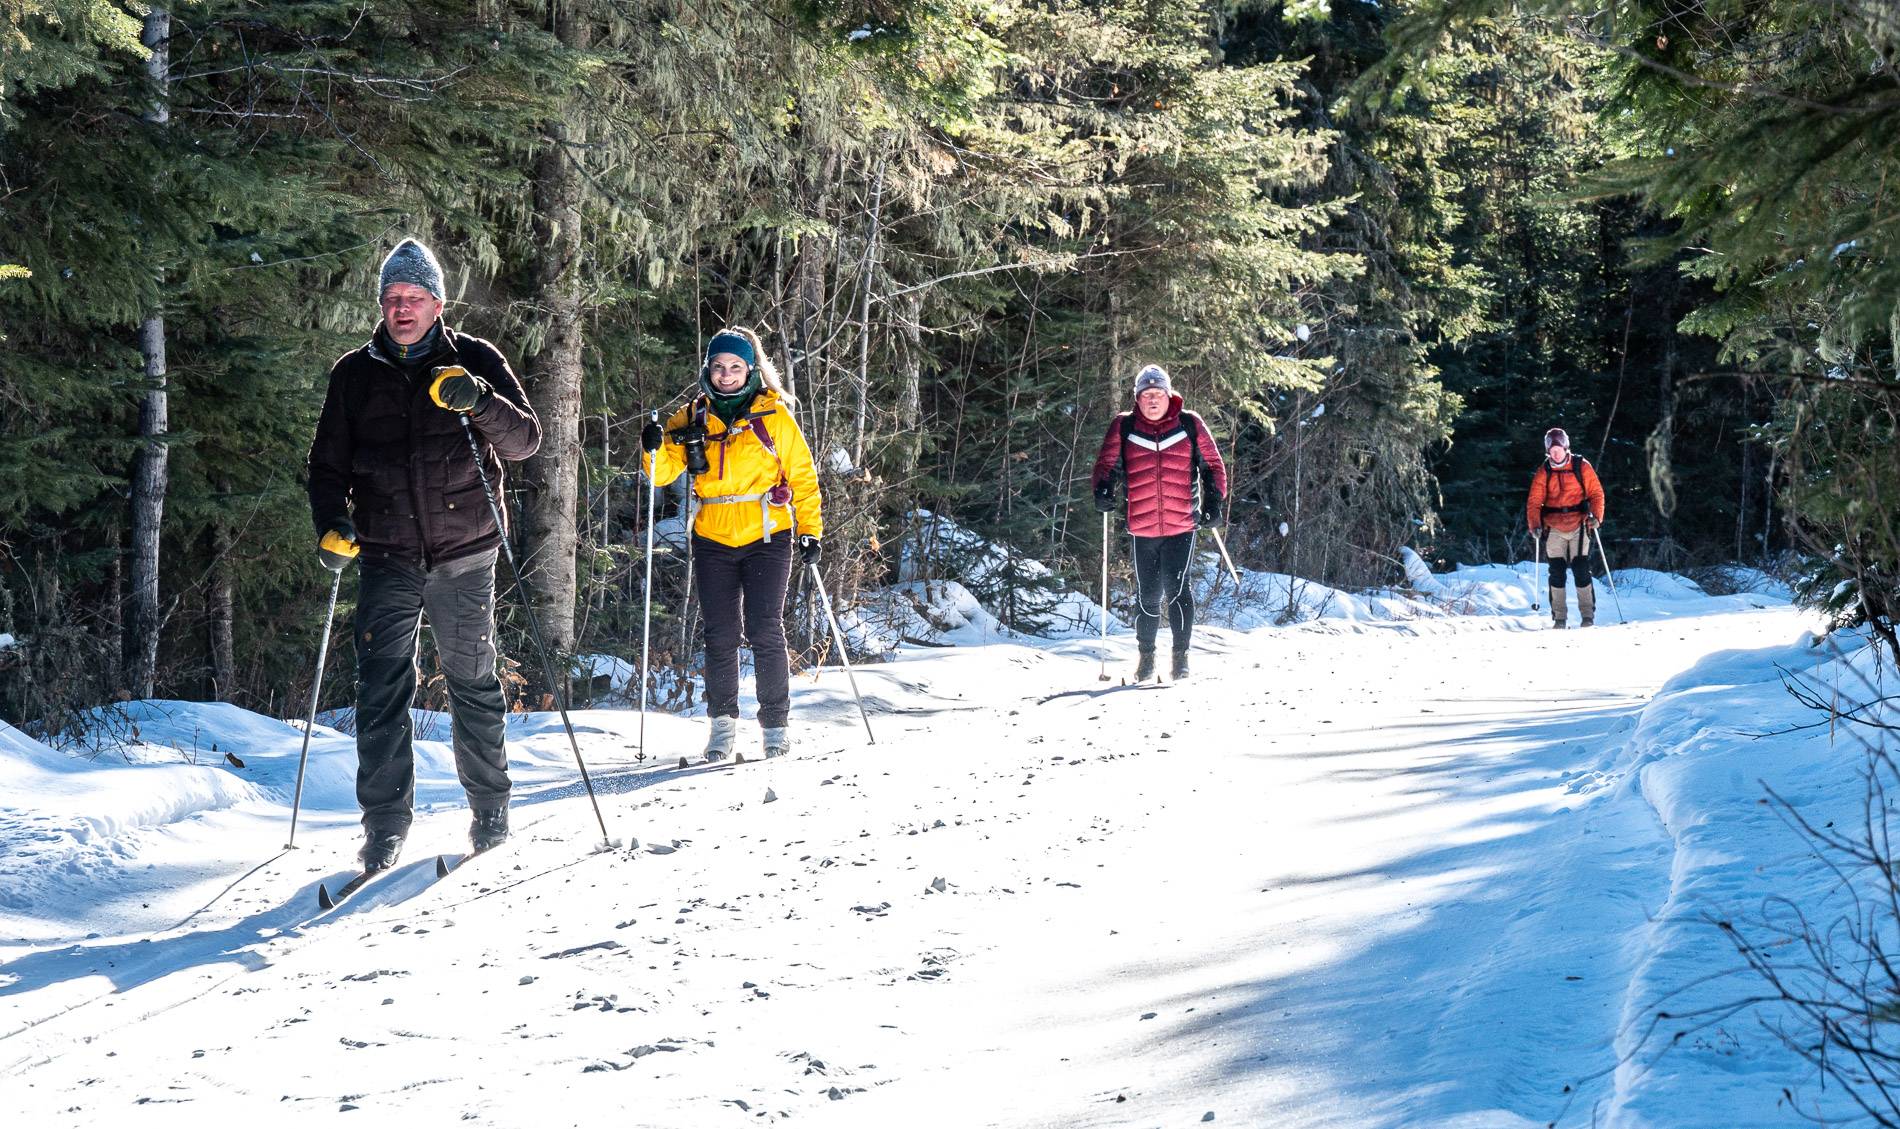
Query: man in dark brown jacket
point(393, 482)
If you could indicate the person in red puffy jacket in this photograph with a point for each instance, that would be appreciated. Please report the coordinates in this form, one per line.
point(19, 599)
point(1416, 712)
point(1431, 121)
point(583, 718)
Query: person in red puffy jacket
point(1175, 482)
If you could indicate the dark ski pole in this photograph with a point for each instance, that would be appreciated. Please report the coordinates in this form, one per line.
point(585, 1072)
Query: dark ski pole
point(844, 655)
point(607, 842)
point(310, 719)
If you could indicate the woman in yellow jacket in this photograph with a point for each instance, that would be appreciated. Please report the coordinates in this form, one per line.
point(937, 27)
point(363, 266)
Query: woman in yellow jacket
point(758, 494)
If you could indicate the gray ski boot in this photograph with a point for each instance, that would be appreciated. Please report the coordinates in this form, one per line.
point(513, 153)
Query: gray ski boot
point(725, 731)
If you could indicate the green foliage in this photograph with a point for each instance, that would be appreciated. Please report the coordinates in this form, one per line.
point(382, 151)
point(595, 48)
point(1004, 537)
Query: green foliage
point(1766, 134)
point(961, 227)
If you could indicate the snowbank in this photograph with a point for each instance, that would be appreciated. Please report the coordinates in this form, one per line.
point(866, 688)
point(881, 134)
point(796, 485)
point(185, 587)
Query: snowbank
point(70, 822)
point(1040, 601)
point(1705, 754)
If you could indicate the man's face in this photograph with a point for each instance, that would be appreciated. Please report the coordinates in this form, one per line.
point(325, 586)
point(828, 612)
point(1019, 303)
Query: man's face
point(1153, 403)
point(408, 312)
point(1558, 453)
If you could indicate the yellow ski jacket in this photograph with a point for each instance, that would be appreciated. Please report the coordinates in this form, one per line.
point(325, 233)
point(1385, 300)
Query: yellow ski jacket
point(736, 502)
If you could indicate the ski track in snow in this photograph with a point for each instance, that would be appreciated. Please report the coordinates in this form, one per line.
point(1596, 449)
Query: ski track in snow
point(1343, 876)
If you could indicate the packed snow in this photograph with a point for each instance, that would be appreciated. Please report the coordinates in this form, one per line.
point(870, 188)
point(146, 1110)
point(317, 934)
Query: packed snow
point(1387, 859)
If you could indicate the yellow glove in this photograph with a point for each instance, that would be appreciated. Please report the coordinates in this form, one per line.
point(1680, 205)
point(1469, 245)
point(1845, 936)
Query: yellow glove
point(457, 389)
point(337, 547)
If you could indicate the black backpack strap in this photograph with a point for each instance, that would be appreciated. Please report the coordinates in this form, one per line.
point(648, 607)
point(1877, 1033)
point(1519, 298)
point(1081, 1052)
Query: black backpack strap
point(1576, 468)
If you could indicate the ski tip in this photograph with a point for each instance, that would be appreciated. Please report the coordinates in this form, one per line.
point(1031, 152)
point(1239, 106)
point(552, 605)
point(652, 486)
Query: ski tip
point(441, 867)
point(324, 900)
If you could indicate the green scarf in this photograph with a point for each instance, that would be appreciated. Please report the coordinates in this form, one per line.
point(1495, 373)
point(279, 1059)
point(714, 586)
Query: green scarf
point(730, 408)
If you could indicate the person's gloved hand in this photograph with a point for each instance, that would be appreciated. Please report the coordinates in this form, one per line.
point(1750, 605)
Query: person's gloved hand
point(337, 547)
point(1210, 508)
point(809, 549)
point(457, 389)
point(651, 437)
point(1105, 496)
point(1592, 520)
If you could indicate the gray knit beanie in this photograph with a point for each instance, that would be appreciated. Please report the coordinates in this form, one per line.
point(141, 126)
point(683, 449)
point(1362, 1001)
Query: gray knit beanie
point(1153, 376)
point(413, 263)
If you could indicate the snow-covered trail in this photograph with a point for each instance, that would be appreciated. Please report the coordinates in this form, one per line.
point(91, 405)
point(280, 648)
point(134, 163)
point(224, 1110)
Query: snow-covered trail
point(1352, 878)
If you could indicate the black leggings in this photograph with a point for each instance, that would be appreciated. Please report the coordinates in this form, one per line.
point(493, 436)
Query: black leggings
point(1161, 578)
point(745, 584)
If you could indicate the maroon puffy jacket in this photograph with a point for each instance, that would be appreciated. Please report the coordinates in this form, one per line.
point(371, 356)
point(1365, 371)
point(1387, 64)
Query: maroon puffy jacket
point(1157, 461)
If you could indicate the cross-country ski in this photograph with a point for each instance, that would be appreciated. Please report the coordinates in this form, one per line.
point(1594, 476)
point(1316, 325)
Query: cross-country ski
point(327, 900)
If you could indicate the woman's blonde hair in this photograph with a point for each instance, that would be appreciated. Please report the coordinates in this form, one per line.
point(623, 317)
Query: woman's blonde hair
point(768, 372)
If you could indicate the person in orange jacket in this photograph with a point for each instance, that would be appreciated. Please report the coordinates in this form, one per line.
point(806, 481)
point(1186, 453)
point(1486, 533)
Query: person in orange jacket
point(1565, 504)
point(757, 487)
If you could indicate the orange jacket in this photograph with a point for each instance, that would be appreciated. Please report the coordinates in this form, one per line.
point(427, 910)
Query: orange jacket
point(1560, 494)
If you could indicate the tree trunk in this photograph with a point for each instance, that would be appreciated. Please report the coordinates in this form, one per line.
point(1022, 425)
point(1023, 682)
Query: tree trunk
point(551, 477)
point(149, 474)
point(910, 394)
point(220, 614)
point(864, 316)
point(115, 610)
point(808, 300)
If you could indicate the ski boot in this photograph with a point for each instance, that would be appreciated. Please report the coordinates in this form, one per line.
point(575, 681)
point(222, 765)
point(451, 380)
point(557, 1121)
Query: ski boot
point(1144, 666)
point(725, 730)
point(488, 829)
point(777, 742)
point(381, 848)
point(1180, 668)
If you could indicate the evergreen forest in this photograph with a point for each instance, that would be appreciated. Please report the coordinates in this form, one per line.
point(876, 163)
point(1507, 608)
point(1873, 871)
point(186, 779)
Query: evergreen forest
point(1381, 247)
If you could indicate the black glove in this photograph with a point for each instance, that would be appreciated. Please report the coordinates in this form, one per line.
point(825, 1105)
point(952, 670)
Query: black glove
point(337, 547)
point(809, 550)
point(1210, 508)
point(651, 437)
point(1105, 496)
point(457, 389)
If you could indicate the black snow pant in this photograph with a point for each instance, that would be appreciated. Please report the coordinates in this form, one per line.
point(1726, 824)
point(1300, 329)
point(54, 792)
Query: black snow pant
point(745, 585)
point(459, 599)
point(1161, 566)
